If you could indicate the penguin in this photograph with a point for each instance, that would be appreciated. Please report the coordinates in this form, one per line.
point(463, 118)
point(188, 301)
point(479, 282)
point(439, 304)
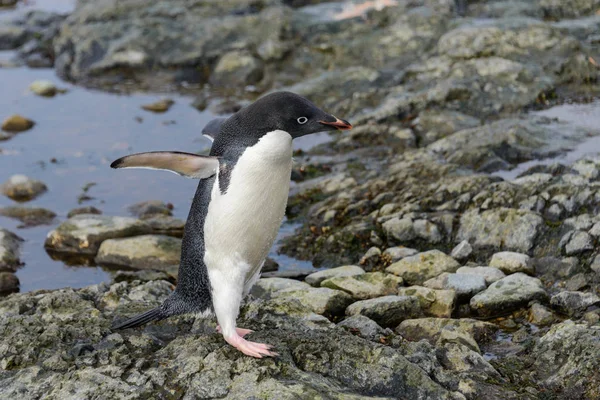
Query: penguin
point(237, 210)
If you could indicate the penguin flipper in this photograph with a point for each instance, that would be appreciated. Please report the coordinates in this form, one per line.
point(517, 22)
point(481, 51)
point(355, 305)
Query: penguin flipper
point(184, 164)
point(212, 129)
point(153, 315)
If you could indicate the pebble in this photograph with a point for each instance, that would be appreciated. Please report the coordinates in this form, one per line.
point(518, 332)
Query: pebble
point(510, 262)
point(43, 88)
point(23, 188)
point(159, 106)
point(17, 123)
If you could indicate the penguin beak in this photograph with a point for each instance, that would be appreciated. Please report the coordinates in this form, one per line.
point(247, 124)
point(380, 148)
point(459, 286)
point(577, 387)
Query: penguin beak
point(339, 124)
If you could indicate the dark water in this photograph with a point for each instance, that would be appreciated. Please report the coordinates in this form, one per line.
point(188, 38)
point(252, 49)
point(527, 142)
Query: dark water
point(84, 131)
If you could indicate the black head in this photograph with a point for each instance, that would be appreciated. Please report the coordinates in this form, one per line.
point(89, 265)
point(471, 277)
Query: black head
point(288, 112)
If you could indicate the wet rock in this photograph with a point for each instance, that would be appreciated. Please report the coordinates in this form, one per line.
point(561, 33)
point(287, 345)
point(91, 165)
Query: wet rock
point(83, 210)
point(510, 262)
point(16, 123)
point(43, 88)
point(10, 246)
point(508, 294)
point(29, 216)
point(540, 315)
point(465, 286)
point(23, 188)
point(363, 326)
point(84, 233)
point(401, 230)
point(150, 208)
point(267, 287)
point(501, 228)
point(397, 253)
point(577, 242)
point(423, 266)
point(140, 252)
point(462, 251)
point(165, 225)
point(8, 282)
point(159, 106)
point(387, 311)
point(270, 265)
point(431, 328)
point(365, 286)
point(490, 274)
point(316, 278)
point(434, 303)
point(237, 68)
point(572, 303)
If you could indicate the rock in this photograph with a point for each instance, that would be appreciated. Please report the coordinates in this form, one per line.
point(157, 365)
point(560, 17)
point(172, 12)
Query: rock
point(510, 262)
point(147, 209)
point(23, 188)
point(83, 210)
point(501, 228)
point(437, 124)
point(8, 282)
point(387, 311)
point(556, 9)
point(508, 294)
point(427, 231)
point(430, 329)
point(577, 242)
point(140, 252)
point(401, 230)
point(423, 266)
point(365, 286)
point(394, 254)
point(371, 258)
point(165, 225)
point(16, 123)
point(300, 273)
point(322, 301)
point(267, 287)
point(12, 36)
point(43, 88)
point(434, 303)
point(83, 234)
point(236, 69)
point(10, 245)
point(465, 286)
point(490, 274)
point(160, 106)
point(270, 265)
point(462, 251)
point(574, 304)
point(316, 278)
point(363, 326)
point(595, 265)
point(29, 216)
point(540, 315)
point(142, 276)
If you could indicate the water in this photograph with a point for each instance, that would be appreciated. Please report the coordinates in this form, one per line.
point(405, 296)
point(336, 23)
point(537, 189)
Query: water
point(84, 130)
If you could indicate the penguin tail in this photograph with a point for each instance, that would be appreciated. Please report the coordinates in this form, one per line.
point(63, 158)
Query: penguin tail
point(156, 314)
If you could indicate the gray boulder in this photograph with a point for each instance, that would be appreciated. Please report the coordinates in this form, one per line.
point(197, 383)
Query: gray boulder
point(387, 311)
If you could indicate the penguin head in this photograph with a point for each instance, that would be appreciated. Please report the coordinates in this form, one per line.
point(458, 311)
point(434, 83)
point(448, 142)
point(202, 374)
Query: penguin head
point(290, 113)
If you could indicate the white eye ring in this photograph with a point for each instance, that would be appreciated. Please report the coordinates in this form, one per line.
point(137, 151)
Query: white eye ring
point(302, 120)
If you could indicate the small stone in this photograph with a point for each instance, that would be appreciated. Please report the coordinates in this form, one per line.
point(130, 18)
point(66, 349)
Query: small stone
point(510, 262)
point(387, 311)
point(365, 286)
point(462, 251)
point(147, 209)
point(316, 278)
point(8, 282)
point(140, 252)
point(540, 315)
point(579, 242)
point(401, 230)
point(398, 253)
point(43, 88)
point(83, 210)
point(574, 304)
point(427, 231)
point(490, 274)
point(363, 326)
point(159, 106)
point(23, 188)
point(10, 246)
point(434, 303)
point(371, 259)
point(17, 123)
point(423, 266)
point(465, 286)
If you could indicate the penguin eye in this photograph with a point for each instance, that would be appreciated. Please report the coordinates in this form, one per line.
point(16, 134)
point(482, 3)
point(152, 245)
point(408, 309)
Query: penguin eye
point(302, 120)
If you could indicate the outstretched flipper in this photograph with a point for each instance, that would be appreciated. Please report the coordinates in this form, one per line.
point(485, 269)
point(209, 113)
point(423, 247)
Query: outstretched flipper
point(212, 129)
point(184, 164)
point(155, 314)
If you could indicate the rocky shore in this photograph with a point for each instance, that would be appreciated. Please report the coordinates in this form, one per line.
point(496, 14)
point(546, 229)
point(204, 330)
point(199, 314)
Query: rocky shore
point(441, 279)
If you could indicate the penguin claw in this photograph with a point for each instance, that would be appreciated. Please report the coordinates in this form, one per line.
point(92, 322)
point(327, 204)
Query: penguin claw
point(253, 349)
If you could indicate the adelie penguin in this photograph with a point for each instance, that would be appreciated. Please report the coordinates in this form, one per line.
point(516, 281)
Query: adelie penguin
point(237, 210)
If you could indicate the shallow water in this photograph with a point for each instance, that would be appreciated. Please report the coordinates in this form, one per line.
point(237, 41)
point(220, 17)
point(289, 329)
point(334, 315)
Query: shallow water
point(84, 130)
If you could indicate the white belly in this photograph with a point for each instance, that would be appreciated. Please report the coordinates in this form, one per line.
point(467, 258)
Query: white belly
point(242, 224)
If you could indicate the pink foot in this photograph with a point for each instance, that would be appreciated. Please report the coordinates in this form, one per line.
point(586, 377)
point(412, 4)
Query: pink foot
point(240, 331)
point(258, 350)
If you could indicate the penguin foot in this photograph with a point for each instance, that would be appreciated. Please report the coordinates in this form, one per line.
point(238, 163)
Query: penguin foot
point(258, 350)
point(240, 331)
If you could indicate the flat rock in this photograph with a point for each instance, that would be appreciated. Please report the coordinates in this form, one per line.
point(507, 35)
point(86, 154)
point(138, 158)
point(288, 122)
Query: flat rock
point(465, 286)
point(430, 328)
point(510, 262)
point(83, 210)
point(83, 234)
point(316, 278)
point(574, 303)
point(508, 294)
point(322, 301)
point(387, 311)
point(165, 224)
point(140, 252)
point(29, 216)
point(150, 208)
point(423, 266)
point(17, 123)
point(10, 246)
point(159, 106)
point(434, 303)
point(490, 274)
point(365, 286)
point(267, 287)
point(397, 253)
point(23, 188)
point(8, 282)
